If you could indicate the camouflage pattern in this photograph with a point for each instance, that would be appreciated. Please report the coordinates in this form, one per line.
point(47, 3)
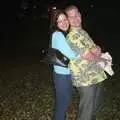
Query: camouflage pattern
point(84, 73)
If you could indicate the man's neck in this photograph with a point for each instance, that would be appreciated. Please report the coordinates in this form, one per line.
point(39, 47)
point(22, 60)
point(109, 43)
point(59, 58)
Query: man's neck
point(76, 28)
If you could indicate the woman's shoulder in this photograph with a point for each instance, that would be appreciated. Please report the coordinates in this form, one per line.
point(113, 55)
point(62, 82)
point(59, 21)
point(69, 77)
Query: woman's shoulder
point(57, 33)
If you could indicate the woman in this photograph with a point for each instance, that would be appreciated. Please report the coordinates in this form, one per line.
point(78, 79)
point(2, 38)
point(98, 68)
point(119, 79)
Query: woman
point(61, 75)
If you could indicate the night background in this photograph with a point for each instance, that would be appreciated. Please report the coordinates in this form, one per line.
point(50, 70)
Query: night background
point(25, 82)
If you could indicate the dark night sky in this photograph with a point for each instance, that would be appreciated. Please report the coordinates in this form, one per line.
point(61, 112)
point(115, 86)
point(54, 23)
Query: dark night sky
point(100, 17)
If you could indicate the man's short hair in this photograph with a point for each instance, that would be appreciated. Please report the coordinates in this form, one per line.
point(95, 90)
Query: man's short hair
point(71, 7)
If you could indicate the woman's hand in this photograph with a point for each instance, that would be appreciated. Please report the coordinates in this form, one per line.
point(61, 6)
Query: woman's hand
point(89, 56)
point(96, 51)
point(93, 55)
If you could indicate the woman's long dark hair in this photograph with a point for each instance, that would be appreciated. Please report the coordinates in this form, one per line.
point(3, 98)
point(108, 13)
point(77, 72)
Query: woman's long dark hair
point(54, 14)
point(53, 20)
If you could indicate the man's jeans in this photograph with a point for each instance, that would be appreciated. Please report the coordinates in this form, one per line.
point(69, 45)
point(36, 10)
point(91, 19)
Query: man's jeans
point(90, 102)
point(63, 93)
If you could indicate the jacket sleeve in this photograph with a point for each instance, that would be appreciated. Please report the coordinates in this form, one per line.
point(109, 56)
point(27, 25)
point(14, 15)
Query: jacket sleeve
point(59, 42)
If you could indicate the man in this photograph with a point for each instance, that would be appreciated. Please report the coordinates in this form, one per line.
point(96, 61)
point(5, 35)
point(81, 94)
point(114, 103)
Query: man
point(87, 76)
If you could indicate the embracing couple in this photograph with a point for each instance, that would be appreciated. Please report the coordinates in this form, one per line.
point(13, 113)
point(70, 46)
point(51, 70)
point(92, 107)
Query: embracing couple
point(85, 71)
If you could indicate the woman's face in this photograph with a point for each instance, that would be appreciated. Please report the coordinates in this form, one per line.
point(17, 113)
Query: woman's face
point(62, 22)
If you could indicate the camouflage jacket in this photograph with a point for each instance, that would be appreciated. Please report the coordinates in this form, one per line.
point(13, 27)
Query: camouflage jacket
point(84, 73)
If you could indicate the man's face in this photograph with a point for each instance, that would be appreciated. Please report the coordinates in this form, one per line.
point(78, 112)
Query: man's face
point(74, 18)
